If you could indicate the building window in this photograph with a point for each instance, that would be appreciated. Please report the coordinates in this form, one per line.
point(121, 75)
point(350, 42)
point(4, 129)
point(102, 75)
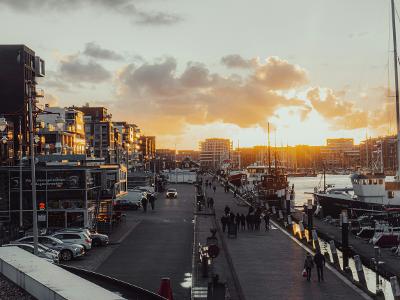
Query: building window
point(390, 194)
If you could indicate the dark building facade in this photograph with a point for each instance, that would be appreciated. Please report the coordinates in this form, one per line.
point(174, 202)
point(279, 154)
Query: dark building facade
point(19, 68)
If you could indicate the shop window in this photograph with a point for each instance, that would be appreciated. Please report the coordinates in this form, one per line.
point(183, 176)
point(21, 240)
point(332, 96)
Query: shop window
point(56, 219)
point(75, 219)
point(390, 194)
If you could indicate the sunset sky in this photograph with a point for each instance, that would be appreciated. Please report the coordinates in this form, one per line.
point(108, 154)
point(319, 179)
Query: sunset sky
point(185, 70)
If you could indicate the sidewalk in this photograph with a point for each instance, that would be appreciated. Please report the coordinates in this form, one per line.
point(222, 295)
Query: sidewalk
point(269, 264)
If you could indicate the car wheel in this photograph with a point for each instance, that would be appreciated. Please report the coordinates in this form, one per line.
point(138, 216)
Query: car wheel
point(66, 255)
point(96, 242)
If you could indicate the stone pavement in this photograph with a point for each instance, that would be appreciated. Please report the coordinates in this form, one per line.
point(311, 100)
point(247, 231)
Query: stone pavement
point(269, 264)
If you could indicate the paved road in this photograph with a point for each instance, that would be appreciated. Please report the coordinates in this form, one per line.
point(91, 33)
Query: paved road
point(269, 264)
point(159, 246)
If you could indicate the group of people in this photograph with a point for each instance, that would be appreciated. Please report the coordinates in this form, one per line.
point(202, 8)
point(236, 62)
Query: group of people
point(210, 184)
point(150, 198)
point(319, 261)
point(252, 221)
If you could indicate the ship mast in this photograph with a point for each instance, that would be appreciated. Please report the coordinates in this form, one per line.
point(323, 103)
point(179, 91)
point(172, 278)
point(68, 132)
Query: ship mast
point(269, 152)
point(397, 89)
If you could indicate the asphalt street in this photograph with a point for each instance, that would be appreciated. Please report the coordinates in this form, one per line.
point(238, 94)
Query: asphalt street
point(159, 246)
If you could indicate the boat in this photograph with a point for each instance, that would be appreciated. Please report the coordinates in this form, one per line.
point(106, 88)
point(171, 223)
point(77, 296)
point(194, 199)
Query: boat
point(370, 191)
point(237, 177)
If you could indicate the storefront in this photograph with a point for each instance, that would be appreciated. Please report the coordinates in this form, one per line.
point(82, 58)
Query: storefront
point(66, 195)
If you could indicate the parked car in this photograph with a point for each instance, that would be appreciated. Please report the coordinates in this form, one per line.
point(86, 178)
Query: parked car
point(132, 200)
point(98, 239)
point(67, 251)
point(171, 193)
point(79, 238)
point(43, 252)
point(147, 189)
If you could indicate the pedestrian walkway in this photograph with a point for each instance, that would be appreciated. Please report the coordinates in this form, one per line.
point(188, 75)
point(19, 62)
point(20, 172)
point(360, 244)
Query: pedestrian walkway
point(269, 264)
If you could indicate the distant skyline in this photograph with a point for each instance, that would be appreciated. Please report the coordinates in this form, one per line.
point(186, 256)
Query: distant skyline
point(187, 70)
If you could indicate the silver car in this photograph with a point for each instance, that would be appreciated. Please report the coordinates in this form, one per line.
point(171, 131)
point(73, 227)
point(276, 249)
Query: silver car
point(67, 251)
point(43, 252)
point(98, 239)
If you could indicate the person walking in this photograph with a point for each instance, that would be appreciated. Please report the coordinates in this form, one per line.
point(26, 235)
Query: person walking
point(266, 220)
point(248, 222)
point(308, 265)
point(224, 222)
point(243, 222)
point(234, 193)
point(152, 200)
point(209, 184)
point(214, 188)
point(237, 221)
point(144, 204)
point(227, 210)
point(211, 202)
point(319, 261)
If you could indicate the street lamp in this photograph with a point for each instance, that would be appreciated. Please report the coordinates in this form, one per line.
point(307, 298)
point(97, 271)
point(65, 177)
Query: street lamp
point(31, 100)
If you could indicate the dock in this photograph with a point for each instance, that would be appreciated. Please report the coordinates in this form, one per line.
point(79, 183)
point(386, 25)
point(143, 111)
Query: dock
point(269, 264)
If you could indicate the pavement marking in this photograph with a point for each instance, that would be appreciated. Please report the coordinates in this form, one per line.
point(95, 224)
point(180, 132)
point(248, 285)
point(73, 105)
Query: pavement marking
point(329, 267)
point(129, 231)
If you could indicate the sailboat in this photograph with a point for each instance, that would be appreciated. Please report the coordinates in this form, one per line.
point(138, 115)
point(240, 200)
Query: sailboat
point(371, 191)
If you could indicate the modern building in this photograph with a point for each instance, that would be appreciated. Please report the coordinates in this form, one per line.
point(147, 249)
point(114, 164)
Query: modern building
point(19, 69)
point(194, 155)
point(100, 134)
point(147, 150)
point(166, 159)
point(214, 152)
point(62, 131)
point(340, 154)
point(130, 142)
point(375, 151)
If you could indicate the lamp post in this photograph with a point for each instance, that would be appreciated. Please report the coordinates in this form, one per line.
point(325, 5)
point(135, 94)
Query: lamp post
point(33, 171)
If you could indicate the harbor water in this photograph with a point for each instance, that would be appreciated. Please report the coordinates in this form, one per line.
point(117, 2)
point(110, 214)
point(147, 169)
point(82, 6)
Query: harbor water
point(304, 185)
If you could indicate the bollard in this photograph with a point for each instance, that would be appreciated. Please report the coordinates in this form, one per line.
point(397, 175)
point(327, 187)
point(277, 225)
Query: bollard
point(345, 239)
point(348, 272)
point(301, 230)
point(165, 289)
point(395, 287)
point(309, 215)
point(315, 240)
point(334, 254)
point(280, 215)
point(360, 270)
point(327, 256)
point(289, 222)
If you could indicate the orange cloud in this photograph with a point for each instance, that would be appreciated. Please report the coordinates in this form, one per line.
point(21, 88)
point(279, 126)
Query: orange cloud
point(164, 101)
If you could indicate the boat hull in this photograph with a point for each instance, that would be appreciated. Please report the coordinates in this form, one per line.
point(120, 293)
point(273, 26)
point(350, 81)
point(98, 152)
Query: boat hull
point(333, 206)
